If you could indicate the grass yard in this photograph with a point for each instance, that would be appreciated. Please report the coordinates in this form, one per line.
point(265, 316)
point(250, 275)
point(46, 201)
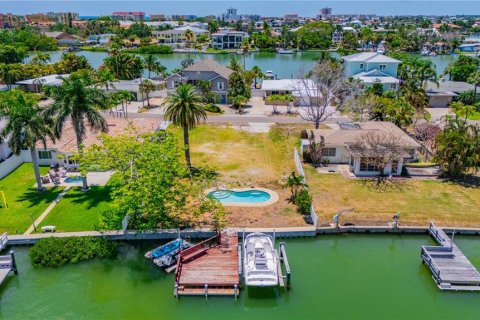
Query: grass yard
point(22, 199)
point(79, 211)
point(418, 201)
point(244, 159)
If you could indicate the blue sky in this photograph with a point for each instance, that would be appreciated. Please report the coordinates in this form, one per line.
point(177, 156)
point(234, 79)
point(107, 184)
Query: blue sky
point(263, 7)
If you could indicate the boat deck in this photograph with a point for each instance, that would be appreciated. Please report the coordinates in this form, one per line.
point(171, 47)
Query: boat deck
point(7, 264)
point(209, 268)
point(450, 269)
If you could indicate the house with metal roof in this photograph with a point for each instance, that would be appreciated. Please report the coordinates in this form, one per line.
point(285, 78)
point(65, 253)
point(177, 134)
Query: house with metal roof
point(371, 68)
point(440, 95)
point(206, 69)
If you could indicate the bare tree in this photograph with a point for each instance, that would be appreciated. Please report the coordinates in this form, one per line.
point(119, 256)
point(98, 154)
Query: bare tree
point(379, 149)
point(425, 134)
point(315, 150)
point(320, 89)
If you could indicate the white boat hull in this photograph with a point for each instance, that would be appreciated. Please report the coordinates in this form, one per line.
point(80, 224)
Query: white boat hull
point(260, 263)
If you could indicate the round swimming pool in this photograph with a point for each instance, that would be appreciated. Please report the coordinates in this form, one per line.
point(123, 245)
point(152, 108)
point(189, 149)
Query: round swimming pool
point(240, 197)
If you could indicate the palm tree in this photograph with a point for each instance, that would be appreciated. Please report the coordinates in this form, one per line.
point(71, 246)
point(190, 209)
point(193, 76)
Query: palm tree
point(189, 37)
point(152, 63)
point(295, 183)
point(104, 78)
point(146, 86)
point(40, 58)
point(26, 125)
point(235, 65)
point(475, 80)
point(184, 108)
point(257, 73)
point(80, 103)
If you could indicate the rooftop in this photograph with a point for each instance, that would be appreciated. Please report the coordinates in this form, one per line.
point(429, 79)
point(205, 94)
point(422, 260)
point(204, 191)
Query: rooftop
point(370, 57)
point(52, 79)
point(340, 137)
point(208, 65)
point(446, 86)
point(116, 126)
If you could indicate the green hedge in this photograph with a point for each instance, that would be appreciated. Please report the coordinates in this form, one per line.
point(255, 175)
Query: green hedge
point(55, 252)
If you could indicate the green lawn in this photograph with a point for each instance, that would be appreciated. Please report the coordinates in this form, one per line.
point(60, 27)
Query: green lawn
point(417, 201)
point(23, 200)
point(79, 211)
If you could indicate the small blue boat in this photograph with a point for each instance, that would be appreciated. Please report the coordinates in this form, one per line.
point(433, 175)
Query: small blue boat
point(166, 254)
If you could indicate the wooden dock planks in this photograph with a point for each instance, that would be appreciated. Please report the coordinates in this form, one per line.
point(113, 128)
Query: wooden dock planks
point(449, 266)
point(216, 267)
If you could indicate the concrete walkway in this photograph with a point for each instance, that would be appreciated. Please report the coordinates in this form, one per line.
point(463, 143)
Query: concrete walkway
point(47, 211)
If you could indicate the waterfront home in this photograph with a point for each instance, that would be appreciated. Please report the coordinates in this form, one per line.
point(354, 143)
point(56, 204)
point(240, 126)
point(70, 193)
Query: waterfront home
point(62, 150)
point(133, 86)
point(177, 38)
point(302, 90)
point(440, 96)
point(228, 39)
point(36, 84)
point(62, 38)
point(469, 47)
point(340, 142)
point(371, 68)
point(104, 38)
point(206, 69)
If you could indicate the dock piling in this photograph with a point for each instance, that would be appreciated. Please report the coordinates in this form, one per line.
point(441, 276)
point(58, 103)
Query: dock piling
point(206, 291)
point(14, 263)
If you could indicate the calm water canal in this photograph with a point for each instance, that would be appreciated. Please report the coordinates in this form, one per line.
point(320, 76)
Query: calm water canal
point(284, 65)
point(334, 277)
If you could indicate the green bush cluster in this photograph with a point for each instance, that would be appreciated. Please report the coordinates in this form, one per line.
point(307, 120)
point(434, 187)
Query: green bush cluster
point(55, 252)
point(303, 201)
point(212, 108)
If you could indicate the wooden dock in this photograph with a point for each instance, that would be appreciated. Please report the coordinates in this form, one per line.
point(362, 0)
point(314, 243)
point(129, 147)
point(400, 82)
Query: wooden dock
point(7, 264)
point(3, 241)
point(210, 267)
point(450, 269)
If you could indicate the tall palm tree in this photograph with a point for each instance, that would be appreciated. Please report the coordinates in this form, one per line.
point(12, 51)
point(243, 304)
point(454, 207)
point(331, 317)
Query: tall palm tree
point(257, 73)
point(475, 80)
point(40, 58)
point(104, 78)
point(152, 63)
point(184, 108)
point(26, 125)
point(235, 65)
point(80, 103)
point(146, 86)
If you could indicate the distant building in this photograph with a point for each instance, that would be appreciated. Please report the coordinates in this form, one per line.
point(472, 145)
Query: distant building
point(38, 18)
point(62, 37)
point(290, 17)
point(100, 38)
point(81, 24)
point(158, 17)
point(231, 15)
point(325, 13)
point(184, 17)
point(177, 38)
point(9, 20)
point(128, 16)
point(228, 39)
point(66, 18)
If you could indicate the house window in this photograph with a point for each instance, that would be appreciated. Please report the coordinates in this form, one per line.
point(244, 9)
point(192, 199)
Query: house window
point(368, 164)
point(44, 155)
point(329, 152)
point(393, 86)
point(382, 67)
point(362, 66)
point(175, 83)
point(220, 85)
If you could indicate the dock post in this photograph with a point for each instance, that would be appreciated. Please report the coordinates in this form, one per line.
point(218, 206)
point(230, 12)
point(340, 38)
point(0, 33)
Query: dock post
point(206, 291)
point(14, 263)
point(175, 291)
point(235, 287)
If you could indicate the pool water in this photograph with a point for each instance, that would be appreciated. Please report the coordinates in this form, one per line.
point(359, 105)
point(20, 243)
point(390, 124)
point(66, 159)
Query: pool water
point(333, 277)
point(248, 196)
point(73, 179)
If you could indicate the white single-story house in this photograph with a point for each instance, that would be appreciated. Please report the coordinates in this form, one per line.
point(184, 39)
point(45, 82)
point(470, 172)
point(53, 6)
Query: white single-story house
point(303, 90)
point(339, 146)
point(61, 151)
point(36, 84)
point(133, 86)
point(440, 96)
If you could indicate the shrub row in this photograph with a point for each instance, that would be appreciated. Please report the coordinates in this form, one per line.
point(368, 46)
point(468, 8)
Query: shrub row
point(55, 252)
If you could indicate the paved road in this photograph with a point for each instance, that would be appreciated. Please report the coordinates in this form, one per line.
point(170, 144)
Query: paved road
point(242, 119)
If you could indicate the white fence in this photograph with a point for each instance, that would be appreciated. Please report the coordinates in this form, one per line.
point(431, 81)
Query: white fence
point(298, 163)
point(9, 165)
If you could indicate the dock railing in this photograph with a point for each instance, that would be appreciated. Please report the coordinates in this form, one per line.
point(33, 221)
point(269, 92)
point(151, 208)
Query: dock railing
point(3, 241)
point(298, 164)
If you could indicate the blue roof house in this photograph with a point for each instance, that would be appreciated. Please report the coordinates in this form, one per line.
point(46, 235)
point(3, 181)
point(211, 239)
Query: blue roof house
point(371, 68)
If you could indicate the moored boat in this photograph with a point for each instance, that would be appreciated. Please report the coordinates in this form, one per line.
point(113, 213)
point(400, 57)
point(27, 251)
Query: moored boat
point(166, 255)
point(284, 51)
point(260, 261)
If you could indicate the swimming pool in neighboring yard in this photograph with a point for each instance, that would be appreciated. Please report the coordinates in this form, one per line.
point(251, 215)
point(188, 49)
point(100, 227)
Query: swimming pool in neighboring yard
point(73, 179)
point(244, 197)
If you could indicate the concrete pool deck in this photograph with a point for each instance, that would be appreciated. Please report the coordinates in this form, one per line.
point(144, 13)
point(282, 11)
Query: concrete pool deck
point(93, 179)
point(273, 197)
